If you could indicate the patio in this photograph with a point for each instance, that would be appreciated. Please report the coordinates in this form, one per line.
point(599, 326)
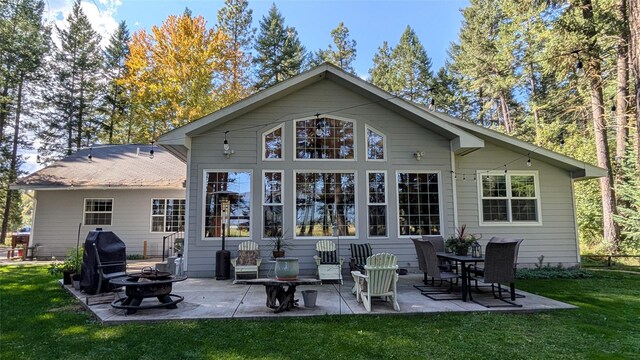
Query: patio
point(213, 299)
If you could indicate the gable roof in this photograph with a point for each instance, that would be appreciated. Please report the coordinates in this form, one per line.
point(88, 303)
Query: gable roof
point(465, 137)
point(177, 140)
point(111, 166)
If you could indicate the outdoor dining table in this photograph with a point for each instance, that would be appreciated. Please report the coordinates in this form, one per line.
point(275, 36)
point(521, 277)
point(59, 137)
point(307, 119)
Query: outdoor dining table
point(463, 260)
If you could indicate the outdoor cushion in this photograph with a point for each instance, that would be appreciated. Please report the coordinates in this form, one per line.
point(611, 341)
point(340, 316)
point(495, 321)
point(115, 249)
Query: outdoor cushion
point(328, 257)
point(247, 257)
point(360, 252)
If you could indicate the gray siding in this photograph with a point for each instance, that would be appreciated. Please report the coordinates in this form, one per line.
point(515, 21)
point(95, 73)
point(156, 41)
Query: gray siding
point(59, 212)
point(403, 138)
point(555, 238)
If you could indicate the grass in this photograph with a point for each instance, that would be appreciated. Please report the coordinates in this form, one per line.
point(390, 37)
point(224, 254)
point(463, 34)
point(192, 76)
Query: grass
point(40, 321)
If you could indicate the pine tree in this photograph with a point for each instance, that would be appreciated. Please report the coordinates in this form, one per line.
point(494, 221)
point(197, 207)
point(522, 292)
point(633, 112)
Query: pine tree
point(234, 20)
point(411, 77)
point(344, 53)
point(280, 55)
point(116, 102)
point(380, 73)
point(76, 71)
point(25, 42)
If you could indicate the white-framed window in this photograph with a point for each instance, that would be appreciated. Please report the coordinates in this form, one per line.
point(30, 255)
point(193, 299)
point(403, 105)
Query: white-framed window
point(167, 215)
point(376, 142)
point(325, 199)
point(506, 198)
point(324, 138)
point(272, 143)
point(235, 185)
point(98, 211)
point(377, 203)
point(272, 190)
point(419, 203)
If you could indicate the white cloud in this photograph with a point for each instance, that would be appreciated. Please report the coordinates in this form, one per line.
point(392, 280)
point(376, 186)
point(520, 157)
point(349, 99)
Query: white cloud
point(101, 18)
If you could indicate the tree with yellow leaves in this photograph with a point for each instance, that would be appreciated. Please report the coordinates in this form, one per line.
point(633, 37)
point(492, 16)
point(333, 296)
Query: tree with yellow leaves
point(170, 75)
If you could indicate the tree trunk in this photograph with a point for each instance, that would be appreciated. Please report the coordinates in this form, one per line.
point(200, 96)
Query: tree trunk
point(13, 175)
point(634, 36)
point(534, 107)
point(610, 228)
point(622, 92)
point(504, 108)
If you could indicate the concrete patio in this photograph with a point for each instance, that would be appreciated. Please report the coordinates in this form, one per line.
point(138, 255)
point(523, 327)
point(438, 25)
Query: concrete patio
point(212, 299)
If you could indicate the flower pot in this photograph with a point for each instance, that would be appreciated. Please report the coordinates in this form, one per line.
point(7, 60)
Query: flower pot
point(462, 251)
point(287, 268)
point(278, 253)
point(75, 279)
point(66, 277)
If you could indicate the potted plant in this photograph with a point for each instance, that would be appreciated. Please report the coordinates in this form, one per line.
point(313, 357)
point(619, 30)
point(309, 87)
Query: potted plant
point(279, 244)
point(461, 242)
point(65, 268)
point(74, 263)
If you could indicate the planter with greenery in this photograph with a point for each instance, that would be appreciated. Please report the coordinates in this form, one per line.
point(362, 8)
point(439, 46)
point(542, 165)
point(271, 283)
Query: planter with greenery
point(462, 241)
point(70, 267)
point(279, 245)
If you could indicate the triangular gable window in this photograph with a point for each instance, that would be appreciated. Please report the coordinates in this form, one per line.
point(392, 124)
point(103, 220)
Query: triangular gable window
point(375, 144)
point(272, 144)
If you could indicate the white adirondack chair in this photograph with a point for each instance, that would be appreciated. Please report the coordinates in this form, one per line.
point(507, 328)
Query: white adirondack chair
point(328, 262)
point(248, 260)
point(379, 280)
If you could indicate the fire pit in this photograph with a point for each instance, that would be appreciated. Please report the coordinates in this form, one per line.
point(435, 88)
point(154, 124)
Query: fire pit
point(147, 284)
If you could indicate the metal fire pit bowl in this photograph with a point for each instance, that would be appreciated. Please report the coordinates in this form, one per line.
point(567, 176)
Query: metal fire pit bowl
point(147, 284)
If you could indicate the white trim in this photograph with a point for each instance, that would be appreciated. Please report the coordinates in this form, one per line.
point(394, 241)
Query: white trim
point(385, 204)
point(440, 203)
point(263, 204)
point(355, 201)
point(204, 198)
point(368, 127)
point(509, 222)
point(340, 118)
point(187, 209)
point(84, 211)
point(575, 220)
point(164, 216)
point(282, 142)
point(454, 190)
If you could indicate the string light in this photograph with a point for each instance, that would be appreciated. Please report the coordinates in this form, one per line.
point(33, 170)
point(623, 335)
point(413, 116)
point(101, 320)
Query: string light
point(225, 144)
point(528, 160)
point(151, 152)
point(90, 156)
point(505, 169)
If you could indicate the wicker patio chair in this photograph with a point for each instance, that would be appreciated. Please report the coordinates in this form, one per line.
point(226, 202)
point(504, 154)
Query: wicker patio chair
point(498, 269)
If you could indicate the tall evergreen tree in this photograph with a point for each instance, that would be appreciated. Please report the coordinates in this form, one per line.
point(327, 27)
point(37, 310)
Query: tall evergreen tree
point(380, 73)
point(234, 20)
point(25, 42)
point(280, 55)
point(116, 102)
point(412, 77)
point(344, 53)
point(76, 71)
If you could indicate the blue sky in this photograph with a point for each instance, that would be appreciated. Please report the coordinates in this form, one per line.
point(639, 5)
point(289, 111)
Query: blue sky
point(370, 22)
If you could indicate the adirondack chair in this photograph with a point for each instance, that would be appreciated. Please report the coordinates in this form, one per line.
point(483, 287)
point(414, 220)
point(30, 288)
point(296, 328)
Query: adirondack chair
point(328, 262)
point(379, 280)
point(248, 260)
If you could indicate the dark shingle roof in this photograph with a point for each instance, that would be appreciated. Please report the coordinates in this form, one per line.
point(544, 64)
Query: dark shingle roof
point(118, 166)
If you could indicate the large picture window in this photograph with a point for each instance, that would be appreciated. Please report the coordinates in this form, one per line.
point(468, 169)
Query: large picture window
point(98, 212)
point(377, 203)
point(325, 138)
point(418, 203)
point(236, 187)
point(167, 215)
point(272, 144)
point(325, 199)
point(272, 204)
point(509, 198)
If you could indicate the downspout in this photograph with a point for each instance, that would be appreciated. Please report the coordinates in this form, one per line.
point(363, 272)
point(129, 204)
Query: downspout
point(454, 188)
point(33, 216)
point(187, 210)
point(575, 220)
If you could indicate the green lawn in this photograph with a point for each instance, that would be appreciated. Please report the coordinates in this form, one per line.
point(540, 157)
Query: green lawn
point(41, 321)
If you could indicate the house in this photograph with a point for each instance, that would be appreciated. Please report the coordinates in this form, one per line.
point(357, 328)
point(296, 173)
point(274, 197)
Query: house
point(137, 193)
point(327, 149)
